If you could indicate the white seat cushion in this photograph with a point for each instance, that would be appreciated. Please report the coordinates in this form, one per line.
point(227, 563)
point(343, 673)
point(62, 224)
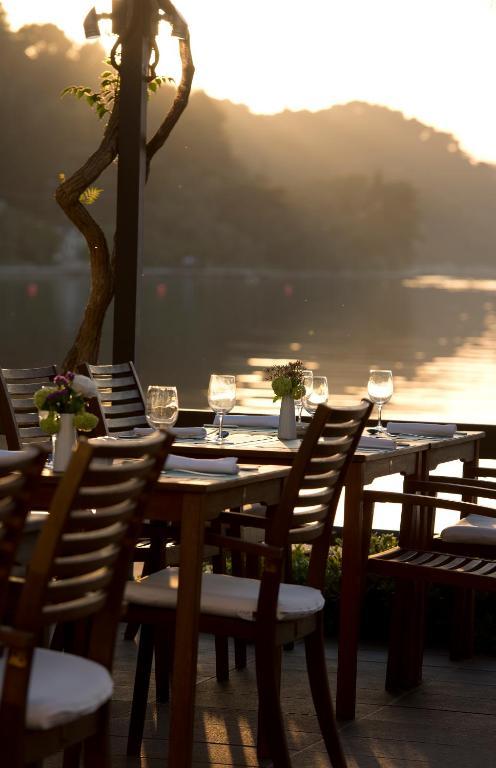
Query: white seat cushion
point(63, 687)
point(473, 529)
point(224, 595)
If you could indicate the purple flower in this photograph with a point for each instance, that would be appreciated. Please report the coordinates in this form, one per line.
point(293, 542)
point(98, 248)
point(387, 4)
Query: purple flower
point(61, 381)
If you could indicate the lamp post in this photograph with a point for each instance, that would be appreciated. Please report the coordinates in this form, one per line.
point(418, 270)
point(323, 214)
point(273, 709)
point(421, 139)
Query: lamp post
point(135, 55)
point(135, 22)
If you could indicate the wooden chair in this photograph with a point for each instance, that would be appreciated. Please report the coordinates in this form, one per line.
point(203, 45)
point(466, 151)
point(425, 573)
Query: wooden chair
point(267, 611)
point(121, 404)
point(53, 701)
point(19, 474)
point(422, 558)
point(18, 413)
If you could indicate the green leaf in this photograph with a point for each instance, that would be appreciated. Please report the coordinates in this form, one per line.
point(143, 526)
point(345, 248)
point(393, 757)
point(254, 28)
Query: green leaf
point(90, 195)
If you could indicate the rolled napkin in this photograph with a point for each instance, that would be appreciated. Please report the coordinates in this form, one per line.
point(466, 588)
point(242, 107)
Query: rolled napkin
point(226, 466)
point(247, 420)
point(379, 443)
point(419, 428)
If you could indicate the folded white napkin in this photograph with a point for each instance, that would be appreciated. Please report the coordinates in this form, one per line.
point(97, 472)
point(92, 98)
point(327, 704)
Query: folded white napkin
point(247, 420)
point(188, 431)
point(419, 428)
point(177, 431)
point(143, 431)
point(473, 529)
point(226, 466)
point(7, 458)
point(379, 443)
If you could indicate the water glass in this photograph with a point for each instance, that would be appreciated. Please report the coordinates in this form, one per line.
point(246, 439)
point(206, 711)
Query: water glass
point(308, 384)
point(380, 390)
point(317, 395)
point(221, 397)
point(162, 406)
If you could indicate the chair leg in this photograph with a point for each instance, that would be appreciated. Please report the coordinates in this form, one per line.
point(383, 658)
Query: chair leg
point(72, 756)
point(272, 737)
point(140, 692)
point(221, 658)
point(321, 695)
point(163, 663)
point(96, 751)
point(406, 641)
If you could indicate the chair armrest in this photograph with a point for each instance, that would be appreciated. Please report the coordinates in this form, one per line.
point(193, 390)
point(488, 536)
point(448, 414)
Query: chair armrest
point(243, 518)
point(16, 639)
point(446, 485)
point(240, 545)
point(412, 499)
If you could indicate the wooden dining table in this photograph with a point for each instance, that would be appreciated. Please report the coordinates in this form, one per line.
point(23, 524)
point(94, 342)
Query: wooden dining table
point(414, 458)
point(193, 499)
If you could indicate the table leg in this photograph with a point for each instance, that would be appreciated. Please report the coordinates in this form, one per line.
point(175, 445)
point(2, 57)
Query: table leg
point(351, 589)
point(463, 611)
point(186, 637)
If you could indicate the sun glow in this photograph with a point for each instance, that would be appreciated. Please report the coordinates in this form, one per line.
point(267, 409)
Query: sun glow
point(433, 61)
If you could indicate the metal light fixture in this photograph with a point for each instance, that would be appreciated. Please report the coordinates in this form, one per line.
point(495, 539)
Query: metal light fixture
point(90, 24)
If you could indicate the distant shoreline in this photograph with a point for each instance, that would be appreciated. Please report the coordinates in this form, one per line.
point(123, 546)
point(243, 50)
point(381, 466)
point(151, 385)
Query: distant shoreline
point(46, 272)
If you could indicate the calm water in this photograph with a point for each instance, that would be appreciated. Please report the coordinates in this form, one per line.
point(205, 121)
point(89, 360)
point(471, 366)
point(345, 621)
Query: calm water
point(438, 335)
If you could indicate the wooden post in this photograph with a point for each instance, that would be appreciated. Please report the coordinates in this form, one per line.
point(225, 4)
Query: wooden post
point(136, 43)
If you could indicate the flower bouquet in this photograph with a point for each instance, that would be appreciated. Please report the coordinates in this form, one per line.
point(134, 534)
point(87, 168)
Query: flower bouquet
point(62, 411)
point(288, 386)
point(287, 380)
point(68, 394)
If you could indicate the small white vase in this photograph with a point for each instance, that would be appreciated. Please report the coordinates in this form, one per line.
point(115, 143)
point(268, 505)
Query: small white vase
point(287, 419)
point(64, 442)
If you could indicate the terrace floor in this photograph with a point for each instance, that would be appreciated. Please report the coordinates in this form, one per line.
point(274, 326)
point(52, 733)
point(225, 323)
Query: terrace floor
point(449, 721)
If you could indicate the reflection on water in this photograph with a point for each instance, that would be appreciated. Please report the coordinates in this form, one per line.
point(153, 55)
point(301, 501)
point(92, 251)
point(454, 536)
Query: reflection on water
point(437, 334)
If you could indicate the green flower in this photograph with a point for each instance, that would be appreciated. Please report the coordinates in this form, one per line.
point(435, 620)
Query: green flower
point(41, 395)
point(287, 380)
point(85, 422)
point(50, 423)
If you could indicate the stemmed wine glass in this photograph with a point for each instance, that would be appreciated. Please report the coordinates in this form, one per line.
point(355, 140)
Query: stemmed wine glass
point(317, 395)
point(380, 390)
point(162, 406)
point(307, 382)
point(221, 397)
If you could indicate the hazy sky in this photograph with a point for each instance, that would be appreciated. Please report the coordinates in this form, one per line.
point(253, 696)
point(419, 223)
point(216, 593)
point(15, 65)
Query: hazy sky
point(432, 59)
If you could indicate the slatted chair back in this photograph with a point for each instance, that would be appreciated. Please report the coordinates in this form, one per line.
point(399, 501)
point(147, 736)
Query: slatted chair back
point(18, 413)
point(80, 564)
point(19, 474)
point(121, 402)
point(311, 495)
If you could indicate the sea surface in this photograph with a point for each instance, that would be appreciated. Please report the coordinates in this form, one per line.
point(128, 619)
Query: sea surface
point(437, 334)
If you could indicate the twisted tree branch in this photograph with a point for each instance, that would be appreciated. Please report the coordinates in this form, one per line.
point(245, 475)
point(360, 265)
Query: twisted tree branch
point(86, 345)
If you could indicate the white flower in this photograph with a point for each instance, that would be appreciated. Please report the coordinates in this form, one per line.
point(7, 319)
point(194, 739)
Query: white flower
point(84, 386)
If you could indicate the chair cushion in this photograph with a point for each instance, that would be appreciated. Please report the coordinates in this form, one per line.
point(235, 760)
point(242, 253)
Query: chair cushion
point(473, 529)
point(63, 687)
point(224, 595)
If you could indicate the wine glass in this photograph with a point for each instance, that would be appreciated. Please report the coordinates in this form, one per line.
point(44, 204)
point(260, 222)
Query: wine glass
point(307, 381)
point(380, 390)
point(317, 395)
point(162, 406)
point(221, 397)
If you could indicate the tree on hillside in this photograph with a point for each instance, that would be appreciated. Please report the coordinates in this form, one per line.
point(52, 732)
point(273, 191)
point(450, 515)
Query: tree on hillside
point(76, 192)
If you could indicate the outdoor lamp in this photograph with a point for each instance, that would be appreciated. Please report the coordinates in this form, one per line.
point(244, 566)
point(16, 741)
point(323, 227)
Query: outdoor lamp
point(90, 23)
